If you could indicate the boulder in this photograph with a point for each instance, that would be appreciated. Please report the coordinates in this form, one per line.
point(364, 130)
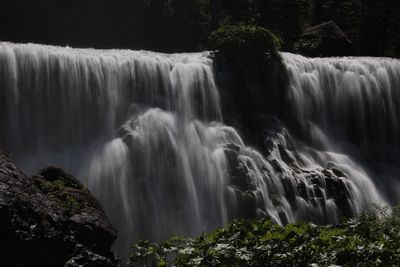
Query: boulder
point(51, 219)
point(324, 40)
point(238, 168)
point(337, 189)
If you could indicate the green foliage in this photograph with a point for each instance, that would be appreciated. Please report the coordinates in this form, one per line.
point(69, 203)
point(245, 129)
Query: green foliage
point(58, 187)
point(72, 202)
point(369, 240)
point(309, 47)
point(244, 42)
point(53, 186)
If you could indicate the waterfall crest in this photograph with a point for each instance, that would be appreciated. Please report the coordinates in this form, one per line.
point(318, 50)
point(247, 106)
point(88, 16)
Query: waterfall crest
point(352, 97)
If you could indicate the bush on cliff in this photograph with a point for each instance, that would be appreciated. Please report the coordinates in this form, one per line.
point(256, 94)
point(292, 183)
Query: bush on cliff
point(369, 240)
point(308, 46)
point(244, 42)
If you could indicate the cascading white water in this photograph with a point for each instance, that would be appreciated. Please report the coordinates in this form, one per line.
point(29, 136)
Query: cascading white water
point(353, 97)
point(350, 105)
point(135, 126)
point(144, 131)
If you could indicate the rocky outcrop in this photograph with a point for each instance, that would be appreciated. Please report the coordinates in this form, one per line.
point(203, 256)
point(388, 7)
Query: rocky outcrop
point(324, 40)
point(294, 191)
point(51, 219)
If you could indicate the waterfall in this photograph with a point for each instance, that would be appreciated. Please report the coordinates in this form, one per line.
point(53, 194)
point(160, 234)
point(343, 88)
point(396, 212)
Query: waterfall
point(350, 105)
point(354, 98)
point(144, 131)
point(140, 129)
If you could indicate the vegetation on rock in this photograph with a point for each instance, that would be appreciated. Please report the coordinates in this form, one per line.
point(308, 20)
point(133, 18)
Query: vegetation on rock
point(244, 41)
point(307, 46)
point(52, 220)
point(52, 186)
point(368, 240)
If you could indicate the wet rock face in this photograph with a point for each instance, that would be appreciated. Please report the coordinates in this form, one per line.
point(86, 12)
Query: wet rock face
point(293, 190)
point(51, 219)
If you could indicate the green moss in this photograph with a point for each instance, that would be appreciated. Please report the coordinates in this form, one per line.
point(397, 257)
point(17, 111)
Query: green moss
point(55, 186)
point(72, 202)
point(244, 42)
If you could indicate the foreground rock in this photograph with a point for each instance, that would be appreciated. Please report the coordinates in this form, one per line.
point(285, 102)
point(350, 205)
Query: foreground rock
point(51, 219)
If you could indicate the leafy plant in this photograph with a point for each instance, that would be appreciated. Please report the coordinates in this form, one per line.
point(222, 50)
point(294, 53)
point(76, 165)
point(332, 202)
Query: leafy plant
point(368, 240)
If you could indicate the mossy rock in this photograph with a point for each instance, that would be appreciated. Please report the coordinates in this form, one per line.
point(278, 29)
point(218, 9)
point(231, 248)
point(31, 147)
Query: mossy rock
point(324, 40)
point(72, 202)
point(51, 186)
point(244, 42)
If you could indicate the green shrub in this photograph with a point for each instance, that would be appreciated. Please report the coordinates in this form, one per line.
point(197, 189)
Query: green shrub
point(244, 42)
point(368, 240)
point(308, 46)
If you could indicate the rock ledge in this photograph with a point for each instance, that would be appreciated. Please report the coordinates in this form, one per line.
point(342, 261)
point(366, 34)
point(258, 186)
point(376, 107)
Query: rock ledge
point(51, 219)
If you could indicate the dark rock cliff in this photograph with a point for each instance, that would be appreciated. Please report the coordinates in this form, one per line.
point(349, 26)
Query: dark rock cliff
point(325, 40)
point(284, 174)
point(51, 219)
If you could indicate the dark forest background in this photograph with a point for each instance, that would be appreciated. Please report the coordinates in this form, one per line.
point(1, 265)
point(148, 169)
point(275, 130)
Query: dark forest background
point(184, 25)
